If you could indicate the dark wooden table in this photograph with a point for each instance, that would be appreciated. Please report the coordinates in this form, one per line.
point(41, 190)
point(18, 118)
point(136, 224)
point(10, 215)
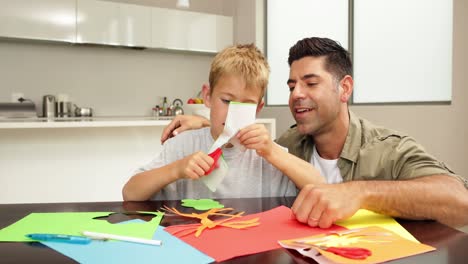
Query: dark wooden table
point(451, 244)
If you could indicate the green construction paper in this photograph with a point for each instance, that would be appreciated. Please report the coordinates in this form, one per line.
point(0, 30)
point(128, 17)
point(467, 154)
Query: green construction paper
point(74, 223)
point(232, 102)
point(201, 204)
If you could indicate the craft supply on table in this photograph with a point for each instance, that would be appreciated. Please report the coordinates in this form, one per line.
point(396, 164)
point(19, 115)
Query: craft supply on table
point(60, 238)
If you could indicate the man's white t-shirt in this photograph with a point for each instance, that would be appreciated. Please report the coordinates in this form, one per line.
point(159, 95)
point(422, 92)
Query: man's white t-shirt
point(327, 168)
point(249, 175)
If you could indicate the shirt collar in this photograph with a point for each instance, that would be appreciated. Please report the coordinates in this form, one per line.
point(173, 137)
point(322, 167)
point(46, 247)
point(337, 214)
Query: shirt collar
point(353, 139)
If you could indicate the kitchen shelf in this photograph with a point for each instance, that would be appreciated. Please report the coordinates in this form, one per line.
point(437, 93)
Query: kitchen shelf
point(72, 122)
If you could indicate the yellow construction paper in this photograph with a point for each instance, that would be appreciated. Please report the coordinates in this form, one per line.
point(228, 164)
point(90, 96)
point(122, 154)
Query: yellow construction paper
point(365, 218)
point(384, 245)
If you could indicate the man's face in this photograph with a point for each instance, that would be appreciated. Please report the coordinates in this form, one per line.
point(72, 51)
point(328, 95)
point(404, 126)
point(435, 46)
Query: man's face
point(229, 88)
point(314, 98)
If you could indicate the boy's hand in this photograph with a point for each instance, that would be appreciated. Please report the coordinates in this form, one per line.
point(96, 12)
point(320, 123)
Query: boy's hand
point(257, 137)
point(194, 166)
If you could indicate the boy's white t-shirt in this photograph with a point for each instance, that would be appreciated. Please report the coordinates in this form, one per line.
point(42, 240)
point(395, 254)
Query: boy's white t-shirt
point(249, 174)
point(327, 168)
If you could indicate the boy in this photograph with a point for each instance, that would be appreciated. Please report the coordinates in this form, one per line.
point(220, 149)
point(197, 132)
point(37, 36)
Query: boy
point(238, 73)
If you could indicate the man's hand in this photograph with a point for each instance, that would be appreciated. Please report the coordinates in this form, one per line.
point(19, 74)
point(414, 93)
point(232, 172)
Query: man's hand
point(257, 137)
point(182, 123)
point(194, 166)
point(322, 205)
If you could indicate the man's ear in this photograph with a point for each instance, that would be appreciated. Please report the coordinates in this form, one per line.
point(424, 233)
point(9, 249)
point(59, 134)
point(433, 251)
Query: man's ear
point(347, 85)
point(260, 106)
point(206, 94)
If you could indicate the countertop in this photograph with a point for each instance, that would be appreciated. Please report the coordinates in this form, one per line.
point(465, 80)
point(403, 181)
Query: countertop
point(108, 121)
point(105, 121)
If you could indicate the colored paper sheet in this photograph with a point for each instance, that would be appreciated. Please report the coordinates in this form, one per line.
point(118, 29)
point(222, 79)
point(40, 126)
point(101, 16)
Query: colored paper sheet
point(73, 224)
point(384, 245)
point(222, 243)
point(239, 116)
point(201, 204)
point(365, 218)
point(172, 250)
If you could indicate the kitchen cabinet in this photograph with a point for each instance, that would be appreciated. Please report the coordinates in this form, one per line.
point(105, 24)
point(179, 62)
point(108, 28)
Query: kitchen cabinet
point(135, 25)
point(111, 23)
point(185, 30)
point(43, 20)
point(115, 23)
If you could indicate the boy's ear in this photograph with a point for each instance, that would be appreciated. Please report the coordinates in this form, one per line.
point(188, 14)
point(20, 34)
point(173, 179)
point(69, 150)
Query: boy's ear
point(260, 106)
point(206, 94)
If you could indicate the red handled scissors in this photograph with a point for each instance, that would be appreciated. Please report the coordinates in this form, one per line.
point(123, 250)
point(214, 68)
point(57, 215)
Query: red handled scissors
point(347, 252)
point(215, 155)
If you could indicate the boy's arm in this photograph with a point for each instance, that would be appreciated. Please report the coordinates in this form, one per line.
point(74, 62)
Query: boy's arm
point(299, 171)
point(144, 185)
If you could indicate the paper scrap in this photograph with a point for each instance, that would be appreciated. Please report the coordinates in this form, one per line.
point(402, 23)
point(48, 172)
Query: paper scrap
point(206, 222)
point(201, 204)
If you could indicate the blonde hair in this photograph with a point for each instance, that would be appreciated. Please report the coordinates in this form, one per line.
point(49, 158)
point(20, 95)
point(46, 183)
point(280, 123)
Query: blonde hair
point(243, 60)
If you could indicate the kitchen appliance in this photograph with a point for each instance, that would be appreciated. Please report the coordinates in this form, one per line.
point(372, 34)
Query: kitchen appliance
point(63, 106)
point(63, 109)
point(48, 106)
point(177, 107)
point(25, 109)
point(83, 111)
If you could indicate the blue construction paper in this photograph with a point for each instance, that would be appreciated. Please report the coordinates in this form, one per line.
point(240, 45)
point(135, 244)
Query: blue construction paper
point(172, 250)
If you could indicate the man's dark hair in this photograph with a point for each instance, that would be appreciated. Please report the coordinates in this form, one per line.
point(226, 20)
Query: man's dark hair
point(337, 59)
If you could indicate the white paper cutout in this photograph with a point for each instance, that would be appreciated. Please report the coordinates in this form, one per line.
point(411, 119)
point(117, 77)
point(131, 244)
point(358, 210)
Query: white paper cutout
point(239, 116)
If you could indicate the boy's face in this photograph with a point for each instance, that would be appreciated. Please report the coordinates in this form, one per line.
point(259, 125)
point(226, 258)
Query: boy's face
point(229, 88)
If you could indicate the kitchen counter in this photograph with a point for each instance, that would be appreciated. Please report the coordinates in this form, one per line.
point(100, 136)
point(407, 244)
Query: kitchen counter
point(76, 159)
point(110, 121)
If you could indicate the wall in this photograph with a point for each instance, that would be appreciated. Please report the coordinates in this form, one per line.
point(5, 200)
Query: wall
point(442, 129)
point(114, 81)
point(120, 81)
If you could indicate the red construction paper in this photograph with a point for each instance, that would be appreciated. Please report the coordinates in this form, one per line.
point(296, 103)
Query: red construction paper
point(222, 243)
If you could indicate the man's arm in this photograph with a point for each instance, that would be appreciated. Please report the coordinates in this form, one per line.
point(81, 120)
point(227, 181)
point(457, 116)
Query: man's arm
point(182, 123)
point(438, 197)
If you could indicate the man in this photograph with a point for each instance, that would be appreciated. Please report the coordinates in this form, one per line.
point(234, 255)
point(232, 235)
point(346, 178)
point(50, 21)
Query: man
point(366, 166)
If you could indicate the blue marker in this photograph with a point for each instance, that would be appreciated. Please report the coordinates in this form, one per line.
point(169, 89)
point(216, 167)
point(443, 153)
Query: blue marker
point(60, 238)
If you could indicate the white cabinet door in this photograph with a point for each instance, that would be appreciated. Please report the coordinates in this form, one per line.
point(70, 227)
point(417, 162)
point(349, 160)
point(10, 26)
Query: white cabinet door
point(135, 25)
point(184, 30)
point(44, 20)
point(97, 22)
point(111, 23)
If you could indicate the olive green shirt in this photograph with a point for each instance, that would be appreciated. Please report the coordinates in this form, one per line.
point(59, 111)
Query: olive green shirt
point(373, 153)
